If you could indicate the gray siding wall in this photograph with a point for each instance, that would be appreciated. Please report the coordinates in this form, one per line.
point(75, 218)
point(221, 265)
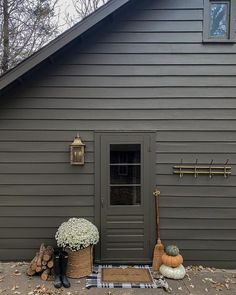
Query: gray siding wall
point(148, 72)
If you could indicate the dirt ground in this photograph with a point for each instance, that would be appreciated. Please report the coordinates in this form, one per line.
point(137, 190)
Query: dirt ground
point(198, 281)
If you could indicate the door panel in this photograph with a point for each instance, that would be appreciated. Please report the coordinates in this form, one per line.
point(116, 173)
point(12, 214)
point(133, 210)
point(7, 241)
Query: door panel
point(125, 198)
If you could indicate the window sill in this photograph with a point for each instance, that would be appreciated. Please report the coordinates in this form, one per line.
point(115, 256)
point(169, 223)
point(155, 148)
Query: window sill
point(230, 41)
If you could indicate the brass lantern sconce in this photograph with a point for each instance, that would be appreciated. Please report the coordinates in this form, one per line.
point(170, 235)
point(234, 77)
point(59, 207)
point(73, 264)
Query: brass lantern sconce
point(77, 151)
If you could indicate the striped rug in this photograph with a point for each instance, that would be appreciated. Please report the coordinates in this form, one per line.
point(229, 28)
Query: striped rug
point(95, 280)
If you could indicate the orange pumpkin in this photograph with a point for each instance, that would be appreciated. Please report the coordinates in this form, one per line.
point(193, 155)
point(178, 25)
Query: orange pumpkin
point(173, 261)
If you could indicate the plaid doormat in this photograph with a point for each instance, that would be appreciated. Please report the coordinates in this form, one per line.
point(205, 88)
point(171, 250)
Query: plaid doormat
point(95, 280)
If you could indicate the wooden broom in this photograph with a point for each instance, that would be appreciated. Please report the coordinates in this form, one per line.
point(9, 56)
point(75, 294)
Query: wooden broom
point(159, 248)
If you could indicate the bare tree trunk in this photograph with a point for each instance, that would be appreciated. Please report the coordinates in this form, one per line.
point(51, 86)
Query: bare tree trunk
point(25, 25)
point(6, 48)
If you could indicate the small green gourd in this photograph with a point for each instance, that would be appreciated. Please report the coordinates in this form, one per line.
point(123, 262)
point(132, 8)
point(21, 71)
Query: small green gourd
point(172, 250)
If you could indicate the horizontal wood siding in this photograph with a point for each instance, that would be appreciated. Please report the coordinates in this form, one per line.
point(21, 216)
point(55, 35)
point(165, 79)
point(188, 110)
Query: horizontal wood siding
point(149, 70)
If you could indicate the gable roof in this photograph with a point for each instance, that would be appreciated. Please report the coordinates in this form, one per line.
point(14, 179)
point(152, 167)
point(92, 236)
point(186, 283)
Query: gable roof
point(60, 41)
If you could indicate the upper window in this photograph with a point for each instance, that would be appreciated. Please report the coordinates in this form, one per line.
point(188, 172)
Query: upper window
point(218, 20)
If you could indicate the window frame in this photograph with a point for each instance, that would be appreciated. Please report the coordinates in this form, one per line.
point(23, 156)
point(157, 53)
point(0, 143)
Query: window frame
point(207, 22)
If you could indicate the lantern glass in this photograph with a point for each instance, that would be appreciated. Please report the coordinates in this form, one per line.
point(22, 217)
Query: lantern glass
point(77, 152)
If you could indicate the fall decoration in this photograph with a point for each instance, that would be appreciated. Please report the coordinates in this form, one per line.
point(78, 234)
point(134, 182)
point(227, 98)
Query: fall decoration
point(80, 263)
point(176, 273)
point(159, 248)
point(76, 234)
point(39, 265)
point(172, 250)
point(172, 261)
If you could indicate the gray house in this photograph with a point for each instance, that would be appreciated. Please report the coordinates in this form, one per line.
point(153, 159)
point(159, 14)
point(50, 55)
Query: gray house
point(148, 85)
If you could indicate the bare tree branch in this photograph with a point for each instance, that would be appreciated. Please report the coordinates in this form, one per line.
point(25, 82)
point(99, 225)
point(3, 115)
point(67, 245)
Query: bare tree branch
point(26, 26)
point(83, 8)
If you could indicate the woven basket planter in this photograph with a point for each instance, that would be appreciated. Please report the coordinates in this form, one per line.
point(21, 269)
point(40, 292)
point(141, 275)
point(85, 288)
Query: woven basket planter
point(80, 263)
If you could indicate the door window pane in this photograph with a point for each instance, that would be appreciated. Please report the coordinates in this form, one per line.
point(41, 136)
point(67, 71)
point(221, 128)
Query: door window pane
point(125, 174)
point(219, 26)
point(124, 153)
point(125, 195)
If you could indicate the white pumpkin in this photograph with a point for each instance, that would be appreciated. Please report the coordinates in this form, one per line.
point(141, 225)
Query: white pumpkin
point(176, 273)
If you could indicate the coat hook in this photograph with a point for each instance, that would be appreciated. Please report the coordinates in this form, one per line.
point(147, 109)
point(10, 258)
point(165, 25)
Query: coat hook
point(210, 172)
point(195, 169)
point(180, 169)
point(225, 175)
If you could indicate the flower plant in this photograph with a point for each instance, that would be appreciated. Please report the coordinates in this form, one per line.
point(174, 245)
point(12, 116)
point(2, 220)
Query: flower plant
point(76, 234)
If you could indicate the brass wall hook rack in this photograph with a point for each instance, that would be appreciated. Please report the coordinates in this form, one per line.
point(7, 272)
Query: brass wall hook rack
point(197, 169)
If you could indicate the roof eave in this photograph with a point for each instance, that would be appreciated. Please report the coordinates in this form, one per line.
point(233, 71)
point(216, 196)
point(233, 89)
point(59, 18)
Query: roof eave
point(59, 42)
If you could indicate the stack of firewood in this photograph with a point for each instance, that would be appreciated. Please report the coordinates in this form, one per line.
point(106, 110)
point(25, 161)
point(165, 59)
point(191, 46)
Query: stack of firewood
point(42, 263)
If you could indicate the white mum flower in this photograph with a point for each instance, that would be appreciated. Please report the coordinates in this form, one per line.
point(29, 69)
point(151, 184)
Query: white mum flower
point(77, 233)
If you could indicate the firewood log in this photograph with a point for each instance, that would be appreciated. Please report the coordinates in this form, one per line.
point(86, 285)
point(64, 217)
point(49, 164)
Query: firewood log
point(38, 269)
point(45, 274)
point(42, 263)
point(40, 257)
point(33, 263)
point(50, 263)
point(48, 253)
point(30, 271)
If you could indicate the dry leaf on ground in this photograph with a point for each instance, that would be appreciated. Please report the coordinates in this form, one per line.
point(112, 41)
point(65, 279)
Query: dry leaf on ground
point(210, 280)
point(192, 286)
point(199, 268)
point(180, 288)
point(1, 279)
point(13, 265)
point(14, 288)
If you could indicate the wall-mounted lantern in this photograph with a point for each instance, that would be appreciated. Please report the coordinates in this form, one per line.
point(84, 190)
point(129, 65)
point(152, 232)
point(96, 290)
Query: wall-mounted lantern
point(77, 151)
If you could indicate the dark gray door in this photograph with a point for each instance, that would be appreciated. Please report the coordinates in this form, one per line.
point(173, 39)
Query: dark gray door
point(126, 198)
